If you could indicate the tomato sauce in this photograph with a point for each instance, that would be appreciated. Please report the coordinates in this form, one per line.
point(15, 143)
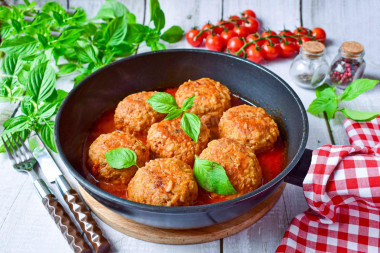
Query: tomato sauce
point(272, 161)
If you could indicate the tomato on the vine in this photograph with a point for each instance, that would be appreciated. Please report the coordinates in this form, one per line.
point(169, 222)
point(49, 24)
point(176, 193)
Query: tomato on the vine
point(190, 35)
point(287, 50)
point(248, 13)
point(214, 42)
point(253, 54)
point(229, 26)
point(270, 52)
point(206, 26)
point(268, 33)
point(301, 31)
point(303, 40)
point(226, 36)
point(239, 22)
point(252, 24)
point(319, 34)
point(241, 31)
point(234, 44)
point(288, 33)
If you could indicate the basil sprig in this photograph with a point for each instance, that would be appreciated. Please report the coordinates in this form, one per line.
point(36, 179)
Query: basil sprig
point(165, 103)
point(327, 100)
point(212, 177)
point(121, 158)
point(35, 38)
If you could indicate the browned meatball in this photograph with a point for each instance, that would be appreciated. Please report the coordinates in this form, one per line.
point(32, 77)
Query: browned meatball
point(166, 139)
point(107, 142)
point(211, 99)
point(134, 115)
point(250, 125)
point(164, 182)
point(241, 165)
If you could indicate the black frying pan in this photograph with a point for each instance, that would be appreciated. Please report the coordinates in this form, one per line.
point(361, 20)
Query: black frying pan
point(103, 90)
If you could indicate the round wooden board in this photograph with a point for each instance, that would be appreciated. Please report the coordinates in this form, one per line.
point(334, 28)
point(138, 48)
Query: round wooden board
point(189, 236)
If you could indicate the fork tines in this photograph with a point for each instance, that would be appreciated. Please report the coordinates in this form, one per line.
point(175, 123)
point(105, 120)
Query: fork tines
point(20, 153)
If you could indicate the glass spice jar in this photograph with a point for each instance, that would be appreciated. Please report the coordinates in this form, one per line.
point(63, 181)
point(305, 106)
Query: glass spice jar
point(348, 65)
point(310, 68)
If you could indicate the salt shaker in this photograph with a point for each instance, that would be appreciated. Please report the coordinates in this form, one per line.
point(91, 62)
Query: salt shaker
point(310, 68)
point(348, 65)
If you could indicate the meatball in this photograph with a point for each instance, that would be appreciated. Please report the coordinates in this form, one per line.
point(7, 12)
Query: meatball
point(164, 182)
point(107, 142)
point(250, 125)
point(134, 115)
point(167, 139)
point(211, 99)
point(240, 162)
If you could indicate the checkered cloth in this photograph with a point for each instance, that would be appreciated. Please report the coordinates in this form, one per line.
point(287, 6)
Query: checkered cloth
point(342, 189)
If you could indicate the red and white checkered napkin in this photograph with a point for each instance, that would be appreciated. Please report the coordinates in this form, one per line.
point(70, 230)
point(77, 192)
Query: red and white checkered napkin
point(342, 189)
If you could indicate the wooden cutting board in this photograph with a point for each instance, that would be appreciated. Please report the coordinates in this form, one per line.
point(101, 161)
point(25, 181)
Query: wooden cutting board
point(173, 236)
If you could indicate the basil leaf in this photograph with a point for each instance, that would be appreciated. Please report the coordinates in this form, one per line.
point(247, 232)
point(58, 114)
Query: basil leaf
point(65, 69)
point(85, 52)
point(321, 104)
point(326, 91)
point(5, 30)
point(27, 108)
point(16, 25)
point(121, 158)
point(173, 114)
point(47, 135)
point(122, 50)
point(173, 34)
point(57, 97)
point(115, 31)
point(5, 13)
point(359, 115)
point(163, 102)
point(58, 17)
point(41, 82)
point(44, 42)
point(24, 45)
point(12, 65)
point(53, 6)
point(16, 124)
point(357, 87)
point(47, 110)
point(69, 36)
point(191, 125)
point(156, 15)
point(78, 17)
point(188, 103)
point(136, 33)
point(212, 177)
point(111, 9)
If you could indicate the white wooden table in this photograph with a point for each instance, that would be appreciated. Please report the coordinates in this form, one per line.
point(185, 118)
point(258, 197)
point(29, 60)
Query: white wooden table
point(24, 224)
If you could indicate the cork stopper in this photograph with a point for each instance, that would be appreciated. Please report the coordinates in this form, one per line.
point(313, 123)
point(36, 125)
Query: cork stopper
point(313, 47)
point(352, 47)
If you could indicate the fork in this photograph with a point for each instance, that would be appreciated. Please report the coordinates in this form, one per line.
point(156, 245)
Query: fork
point(23, 161)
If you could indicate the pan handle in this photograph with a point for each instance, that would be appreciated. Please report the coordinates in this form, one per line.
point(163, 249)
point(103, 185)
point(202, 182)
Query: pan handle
point(298, 173)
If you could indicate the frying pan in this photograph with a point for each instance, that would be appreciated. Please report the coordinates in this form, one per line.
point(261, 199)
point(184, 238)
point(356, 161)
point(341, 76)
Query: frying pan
point(102, 91)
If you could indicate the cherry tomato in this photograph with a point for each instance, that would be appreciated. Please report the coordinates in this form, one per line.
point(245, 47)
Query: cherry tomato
point(270, 52)
point(249, 13)
point(301, 31)
point(206, 26)
point(287, 32)
point(214, 42)
point(268, 33)
point(241, 31)
point(253, 54)
point(239, 22)
point(252, 24)
point(287, 50)
point(229, 26)
point(234, 44)
point(226, 36)
point(253, 37)
point(319, 34)
point(303, 40)
point(190, 35)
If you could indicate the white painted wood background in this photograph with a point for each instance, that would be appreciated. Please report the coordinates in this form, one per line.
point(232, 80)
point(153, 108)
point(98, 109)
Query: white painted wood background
point(24, 224)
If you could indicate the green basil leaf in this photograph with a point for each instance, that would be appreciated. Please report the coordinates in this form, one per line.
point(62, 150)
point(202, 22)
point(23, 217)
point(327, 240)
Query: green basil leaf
point(47, 135)
point(212, 177)
point(111, 9)
point(163, 102)
point(65, 69)
point(115, 31)
point(137, 33)
point(131, 18)
point(58, 17)
point(16, 25)
point(357, 87)
point(121, 158)
point(321, 104)
point(157, 15)
point(359, 115)
point(326, 91)
point(85, 52)
point(191, 125)
point(53, 6)
point(188, 103)
point(44, 42)
point(5, 13)
point(41, 82)
point(69, 36)
point(24, 45)
point(57, 97)
point(27, 108)
point(12, 65)
point(123, 49)
point(42, 19)
point(173, 34)
point(173, 114)
point(79, 16)
point(5, 30)
point(47, 110)
point(16, 124)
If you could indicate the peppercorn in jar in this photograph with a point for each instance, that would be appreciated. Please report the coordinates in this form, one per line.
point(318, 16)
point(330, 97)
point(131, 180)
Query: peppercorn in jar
point(348, 65)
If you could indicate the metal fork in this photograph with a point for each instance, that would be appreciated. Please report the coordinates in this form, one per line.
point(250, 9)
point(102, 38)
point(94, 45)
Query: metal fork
point(22, 160)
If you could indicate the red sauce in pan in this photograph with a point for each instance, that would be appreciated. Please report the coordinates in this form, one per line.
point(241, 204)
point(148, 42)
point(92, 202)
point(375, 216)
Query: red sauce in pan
point(272, 161)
